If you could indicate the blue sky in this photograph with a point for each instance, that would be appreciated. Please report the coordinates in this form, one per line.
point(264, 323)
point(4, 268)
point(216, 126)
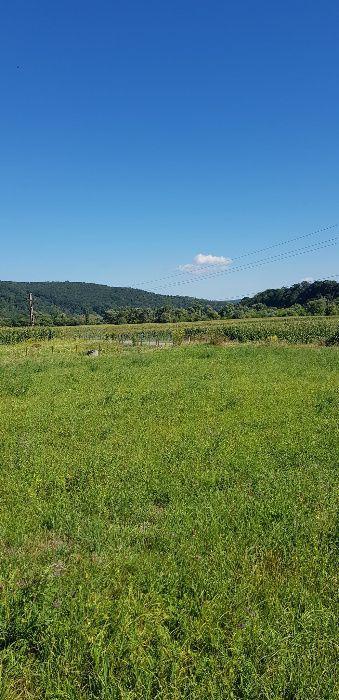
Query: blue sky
point(137, 135)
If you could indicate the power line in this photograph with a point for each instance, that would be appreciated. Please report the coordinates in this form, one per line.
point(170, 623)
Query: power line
point(265, 261)
point(198, 268)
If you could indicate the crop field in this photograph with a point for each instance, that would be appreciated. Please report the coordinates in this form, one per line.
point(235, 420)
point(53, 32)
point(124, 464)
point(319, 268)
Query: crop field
point(169, 523)
point(309, 329)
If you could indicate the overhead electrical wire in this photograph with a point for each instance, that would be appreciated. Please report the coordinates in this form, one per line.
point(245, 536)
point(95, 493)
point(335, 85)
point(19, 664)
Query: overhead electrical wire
point(258, 263)
point(202, 268)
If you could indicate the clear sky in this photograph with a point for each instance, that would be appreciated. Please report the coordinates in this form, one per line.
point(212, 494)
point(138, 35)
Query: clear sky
point(136, 135)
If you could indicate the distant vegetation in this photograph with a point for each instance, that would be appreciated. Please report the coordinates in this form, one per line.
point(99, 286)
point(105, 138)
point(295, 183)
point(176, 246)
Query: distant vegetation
point(301, 294)
point(57, 303)
point(77, 303)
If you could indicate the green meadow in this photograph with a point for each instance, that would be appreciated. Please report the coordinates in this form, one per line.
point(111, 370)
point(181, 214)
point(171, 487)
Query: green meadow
point(169, 523)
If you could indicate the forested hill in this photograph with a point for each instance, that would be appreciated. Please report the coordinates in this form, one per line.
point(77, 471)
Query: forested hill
point(301, 293)
point(82, 302)
point(76, 298)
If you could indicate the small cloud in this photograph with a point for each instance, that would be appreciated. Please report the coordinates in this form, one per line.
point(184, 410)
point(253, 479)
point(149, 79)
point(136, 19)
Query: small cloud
point(307, 279)
point(202, 261)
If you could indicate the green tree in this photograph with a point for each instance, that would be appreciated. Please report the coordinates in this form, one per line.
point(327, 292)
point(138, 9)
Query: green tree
point(317, 307)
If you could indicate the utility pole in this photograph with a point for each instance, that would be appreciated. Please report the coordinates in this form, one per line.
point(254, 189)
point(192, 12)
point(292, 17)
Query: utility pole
point(31, 309)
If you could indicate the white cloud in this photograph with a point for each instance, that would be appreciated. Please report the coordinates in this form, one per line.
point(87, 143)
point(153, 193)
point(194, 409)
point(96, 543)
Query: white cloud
point(307, 279)
point(202, 261)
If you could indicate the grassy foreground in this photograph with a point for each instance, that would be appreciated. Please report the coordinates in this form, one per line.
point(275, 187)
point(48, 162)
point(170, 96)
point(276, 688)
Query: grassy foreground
point(169, 524)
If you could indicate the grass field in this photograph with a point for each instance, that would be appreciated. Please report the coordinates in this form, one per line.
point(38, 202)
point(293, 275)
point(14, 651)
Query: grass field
point(169, 523)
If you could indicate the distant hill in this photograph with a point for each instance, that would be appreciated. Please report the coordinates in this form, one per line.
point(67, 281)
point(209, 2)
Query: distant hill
point(62, 301)
point(77, 298)
point(301, 293)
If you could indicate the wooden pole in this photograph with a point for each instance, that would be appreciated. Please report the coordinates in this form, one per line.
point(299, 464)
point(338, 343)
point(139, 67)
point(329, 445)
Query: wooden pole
point(31, 309)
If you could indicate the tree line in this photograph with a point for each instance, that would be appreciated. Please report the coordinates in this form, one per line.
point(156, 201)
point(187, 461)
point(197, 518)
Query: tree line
point(166, 314)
